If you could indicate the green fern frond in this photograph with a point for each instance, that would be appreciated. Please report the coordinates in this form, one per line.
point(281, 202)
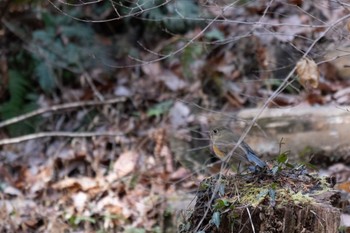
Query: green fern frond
point(19, 88)
point(46, 76)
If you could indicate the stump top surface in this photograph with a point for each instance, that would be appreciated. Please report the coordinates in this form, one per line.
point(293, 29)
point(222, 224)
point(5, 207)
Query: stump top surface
point(287, 196)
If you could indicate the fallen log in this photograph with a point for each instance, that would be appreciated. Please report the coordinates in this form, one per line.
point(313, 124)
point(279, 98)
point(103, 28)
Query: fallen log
point(304, 131)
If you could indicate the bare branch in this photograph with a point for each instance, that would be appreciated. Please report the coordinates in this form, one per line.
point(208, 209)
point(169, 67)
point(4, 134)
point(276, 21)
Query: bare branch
point(112, 19)
point(57, 108)
point(79, 4)
point(57, 134)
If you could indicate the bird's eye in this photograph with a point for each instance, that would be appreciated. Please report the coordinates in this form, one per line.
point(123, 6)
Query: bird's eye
point(215, 131)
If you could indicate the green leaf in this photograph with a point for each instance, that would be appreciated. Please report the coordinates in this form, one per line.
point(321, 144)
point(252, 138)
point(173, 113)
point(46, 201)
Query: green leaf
point(64, 44)
point(77, 31)
point(311, 166)
point(46, 77)
point(282, 158)
point(203, 186)
point(48, 19)
point(80, 219)
point(221, 204)
point(73, 54)
point(189, 56)
point(216, 219)
point(19, 89)
point(76, 220)
point(274, 186)
point(18, 86)
point(42, 37)
point(159, 109)
point(172, 15)
point(214, 34)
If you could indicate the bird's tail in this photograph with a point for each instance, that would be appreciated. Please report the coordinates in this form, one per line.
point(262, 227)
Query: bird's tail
point(253, 158)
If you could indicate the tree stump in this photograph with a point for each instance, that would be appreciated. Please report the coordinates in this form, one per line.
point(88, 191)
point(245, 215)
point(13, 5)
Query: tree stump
point(290, 200)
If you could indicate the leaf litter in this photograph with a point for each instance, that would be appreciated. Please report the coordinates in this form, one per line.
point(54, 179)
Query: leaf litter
point(119, 183)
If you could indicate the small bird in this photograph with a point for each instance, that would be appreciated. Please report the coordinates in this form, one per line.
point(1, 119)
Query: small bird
point(223, 140)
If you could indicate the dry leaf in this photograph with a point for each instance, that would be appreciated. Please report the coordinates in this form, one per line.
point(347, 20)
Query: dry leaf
point(113, 205)
point(179, 174)
point(152, 69)
point(122, 91)
point(12, 191)
point(288, 33)
point(79, 201)
point(126, 163)
point(16, 205)
point(179, 115)
point(159, 138)
point(308, 73)
point(82, 183)
point(166, 153)
point(172, 81)
point(342, 96)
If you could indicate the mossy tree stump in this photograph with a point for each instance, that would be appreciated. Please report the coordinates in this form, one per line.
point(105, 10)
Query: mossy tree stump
point(290, 200)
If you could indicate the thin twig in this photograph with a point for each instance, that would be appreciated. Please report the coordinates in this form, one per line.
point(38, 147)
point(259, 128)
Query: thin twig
point(129, 15)
point(88, 78)
point(250, 218)
point(57, 134)
point(115, 9)
point(55, 108)
point(79, 4)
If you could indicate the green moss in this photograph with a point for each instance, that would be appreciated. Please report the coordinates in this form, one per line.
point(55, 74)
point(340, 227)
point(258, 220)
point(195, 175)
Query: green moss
point(253, 195)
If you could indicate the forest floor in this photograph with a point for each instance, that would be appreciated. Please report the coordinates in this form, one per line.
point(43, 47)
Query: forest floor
point(124, 94)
